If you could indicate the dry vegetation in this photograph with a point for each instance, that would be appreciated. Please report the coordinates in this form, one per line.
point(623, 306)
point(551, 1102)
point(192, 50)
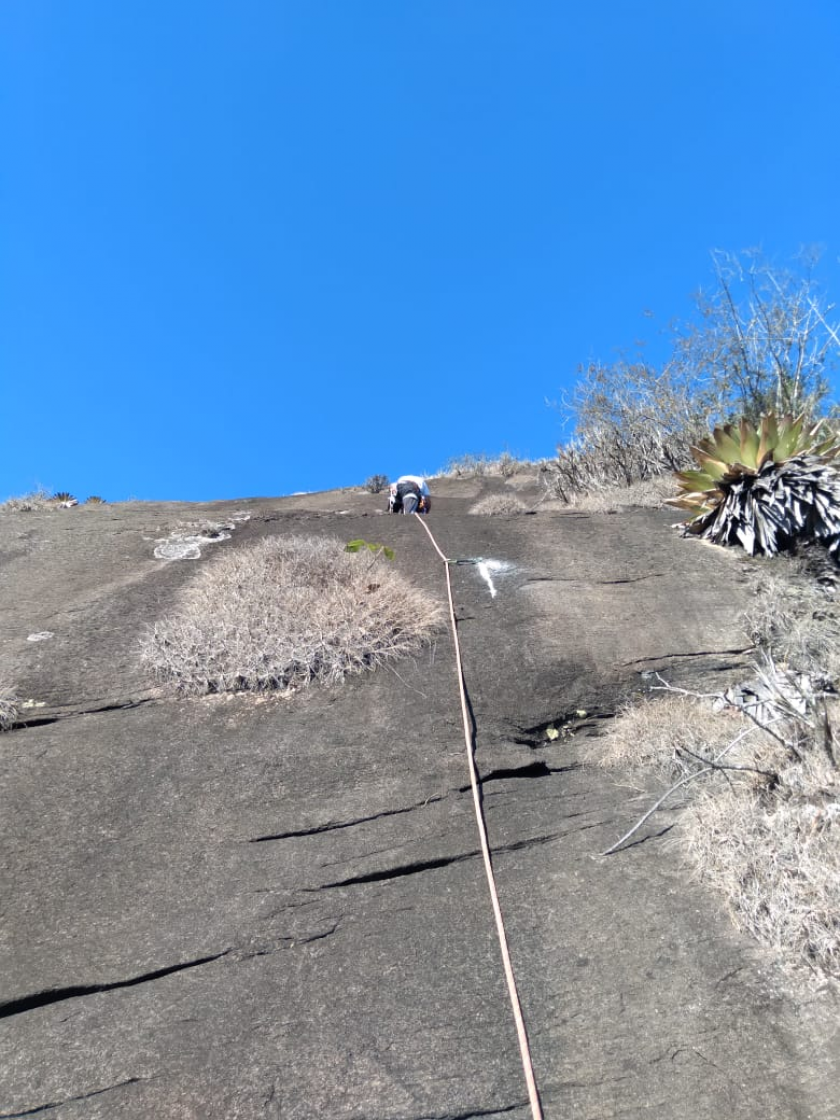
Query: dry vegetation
point(499, 505)
point(762, 772)
point(480, 466)
point(38, 499)
point(650, 494)
point(9, 709)
point(284, 613)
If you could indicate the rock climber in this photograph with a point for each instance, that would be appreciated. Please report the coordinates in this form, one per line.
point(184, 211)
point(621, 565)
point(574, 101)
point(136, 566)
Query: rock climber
point(409, 494)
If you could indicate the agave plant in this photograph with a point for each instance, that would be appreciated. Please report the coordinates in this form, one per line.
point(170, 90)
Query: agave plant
point(764, 488)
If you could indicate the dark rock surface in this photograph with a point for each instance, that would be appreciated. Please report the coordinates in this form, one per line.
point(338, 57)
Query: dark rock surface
point(226, 908)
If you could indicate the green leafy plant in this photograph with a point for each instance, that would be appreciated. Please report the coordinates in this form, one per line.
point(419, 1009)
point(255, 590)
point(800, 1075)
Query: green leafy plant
point(764, 488)
point(360, 545)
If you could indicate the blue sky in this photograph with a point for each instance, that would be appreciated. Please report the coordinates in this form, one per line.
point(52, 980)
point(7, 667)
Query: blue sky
point(251, 247)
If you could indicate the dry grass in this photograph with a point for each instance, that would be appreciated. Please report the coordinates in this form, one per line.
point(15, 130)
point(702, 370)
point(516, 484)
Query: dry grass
point(777, 859)
point(499, 505)
point(38, 499)
point(649, 494)
point(665, 734)
point(795, 613)
point(9, 709)
point(477, 466)
point(765, 830)
point(284, 613)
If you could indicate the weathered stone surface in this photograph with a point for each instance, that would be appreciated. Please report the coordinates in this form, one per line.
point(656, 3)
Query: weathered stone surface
point(225, 908)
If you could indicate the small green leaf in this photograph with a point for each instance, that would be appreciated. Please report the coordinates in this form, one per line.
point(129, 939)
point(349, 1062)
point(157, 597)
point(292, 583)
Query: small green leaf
point(358, 545)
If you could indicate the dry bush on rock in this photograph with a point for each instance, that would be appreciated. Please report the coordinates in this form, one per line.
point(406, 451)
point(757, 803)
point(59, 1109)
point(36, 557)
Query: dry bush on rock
point(778, 859)
point(665, 734)
point(9, 709)
point(284, 613)
point(650, 494)
point(634, 423)
point(38, 499)
point(376, 483)
point(477, 466)
point(796, 614)
point(760, 341)
point(499, 504)
point(764, 780)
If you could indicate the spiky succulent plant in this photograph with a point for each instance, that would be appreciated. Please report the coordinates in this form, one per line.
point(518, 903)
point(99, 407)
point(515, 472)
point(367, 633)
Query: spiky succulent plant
point(764, 488)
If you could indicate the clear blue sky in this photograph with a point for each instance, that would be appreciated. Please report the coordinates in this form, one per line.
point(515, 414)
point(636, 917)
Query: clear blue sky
point(250, 247)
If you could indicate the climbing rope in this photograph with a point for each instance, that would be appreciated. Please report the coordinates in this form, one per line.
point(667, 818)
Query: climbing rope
point(524, 1048)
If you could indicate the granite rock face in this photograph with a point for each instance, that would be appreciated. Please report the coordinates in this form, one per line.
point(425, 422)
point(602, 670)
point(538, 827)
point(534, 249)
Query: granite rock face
point(276, 908)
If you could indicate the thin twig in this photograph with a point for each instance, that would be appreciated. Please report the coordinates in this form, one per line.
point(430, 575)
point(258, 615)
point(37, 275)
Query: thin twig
point(729, 765)
point(683, 781)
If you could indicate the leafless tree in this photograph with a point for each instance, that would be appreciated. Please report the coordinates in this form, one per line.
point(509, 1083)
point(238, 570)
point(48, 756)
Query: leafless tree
point(763, 338)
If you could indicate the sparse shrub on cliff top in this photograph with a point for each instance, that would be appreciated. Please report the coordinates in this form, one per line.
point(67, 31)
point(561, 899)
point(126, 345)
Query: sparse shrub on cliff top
point(284, 613)
point(761, 340)
point(499, 504)
point(38, 499)
point(376, 483)
point(476, 466)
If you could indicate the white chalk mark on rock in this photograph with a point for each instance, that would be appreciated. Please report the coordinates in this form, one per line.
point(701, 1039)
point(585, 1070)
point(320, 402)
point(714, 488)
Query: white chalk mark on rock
point(485, 570)
point(41, 636)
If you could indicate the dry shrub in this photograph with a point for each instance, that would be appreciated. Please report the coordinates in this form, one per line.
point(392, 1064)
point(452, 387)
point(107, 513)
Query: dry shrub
point(649, 494)
point(778, 860)
point(476, 466)
point(664, 734)
point(38, 499)
point(499, 504)
point(285, 612)
point(795, 614)
point(9, 709)
point(764, 822)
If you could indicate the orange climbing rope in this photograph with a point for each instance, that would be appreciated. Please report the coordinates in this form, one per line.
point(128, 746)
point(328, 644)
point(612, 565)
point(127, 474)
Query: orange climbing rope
point(524, 1048)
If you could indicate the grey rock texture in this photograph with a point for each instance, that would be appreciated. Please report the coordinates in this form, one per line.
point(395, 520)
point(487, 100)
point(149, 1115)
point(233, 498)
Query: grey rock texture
point(276, 908)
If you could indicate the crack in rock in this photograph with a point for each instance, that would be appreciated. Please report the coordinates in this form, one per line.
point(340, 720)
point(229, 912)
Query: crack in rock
point(120, 706)
point(73, 1100)
point(419, 866)
point(281, 943)
point(31, 1002)
point(473, 1114)
point(593, 582)
point(535, 769)
point(332, 826)
point(686, 656)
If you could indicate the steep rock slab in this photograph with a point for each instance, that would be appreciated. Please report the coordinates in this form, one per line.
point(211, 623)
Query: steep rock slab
point(276, 909)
